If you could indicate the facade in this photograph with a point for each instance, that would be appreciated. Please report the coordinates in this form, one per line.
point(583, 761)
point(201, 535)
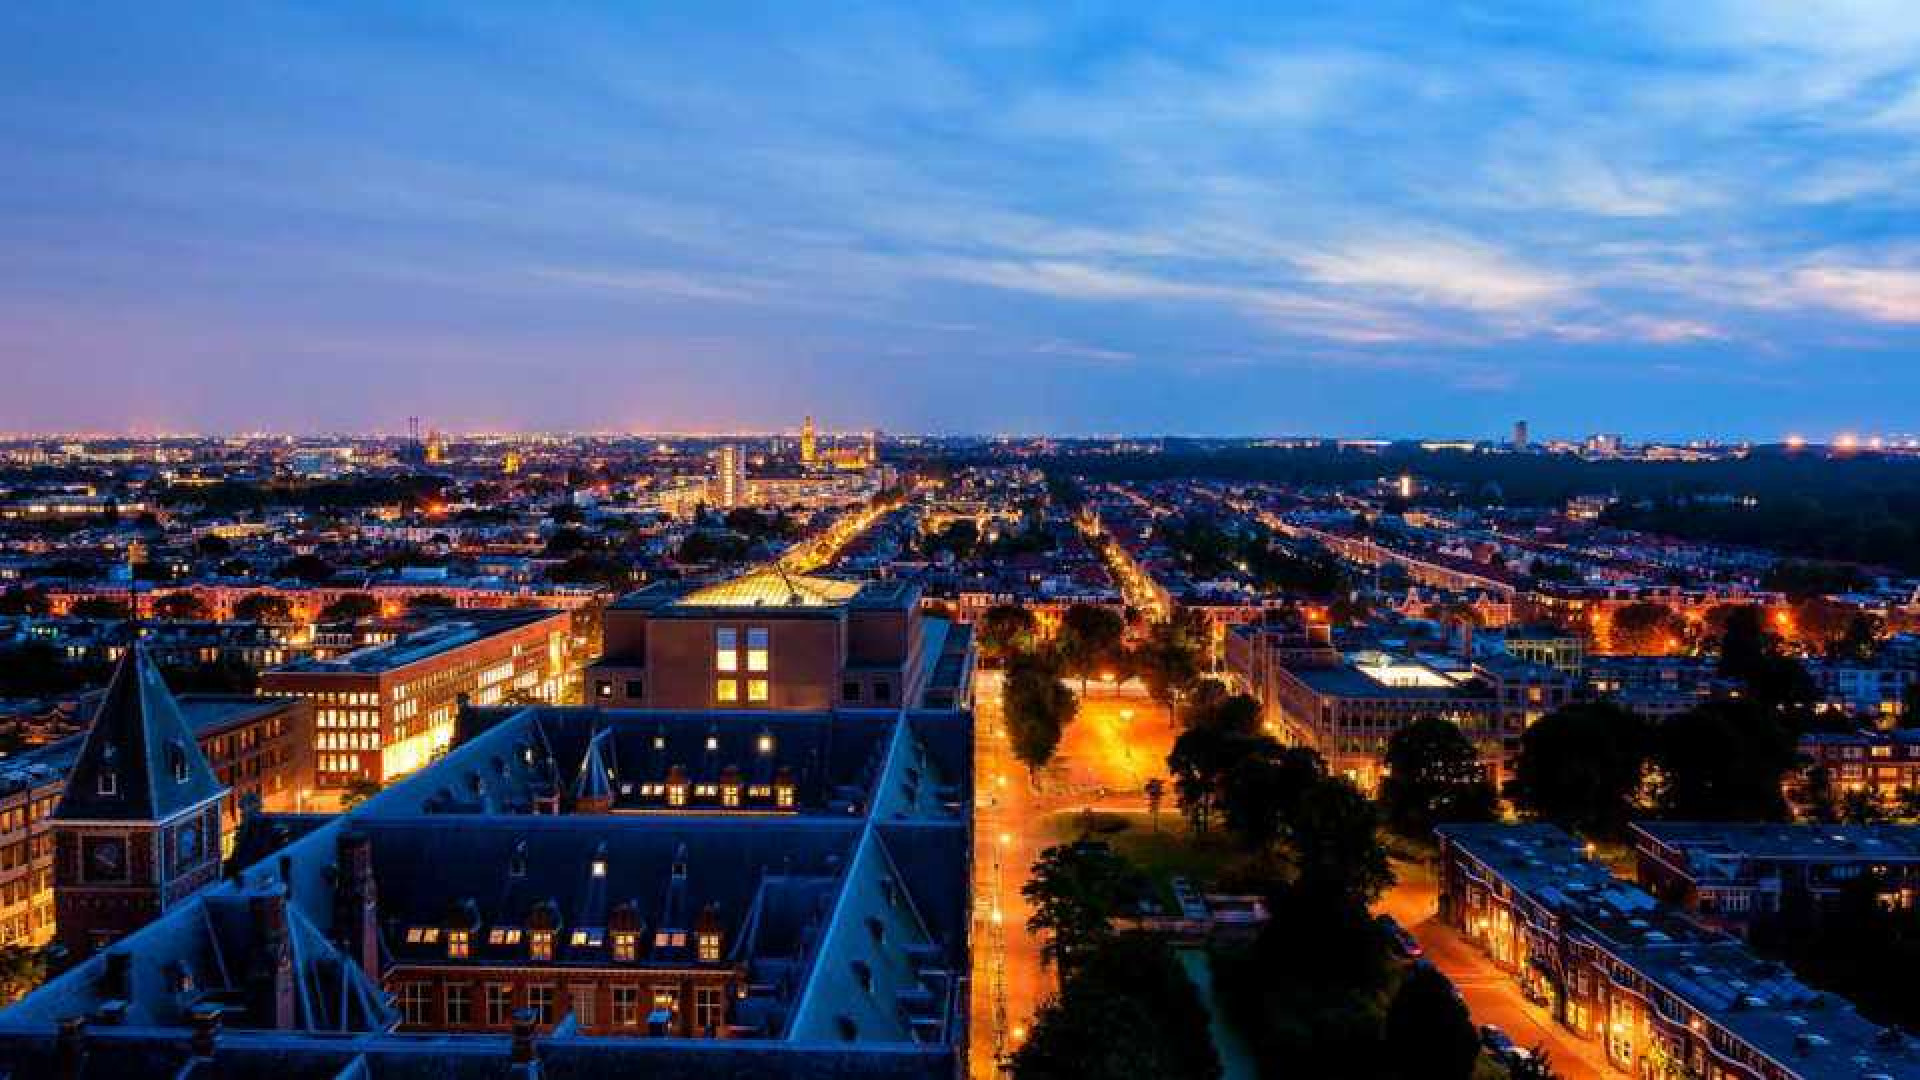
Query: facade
point(1728, 875)
point(1884, 764)
point(527, 906)
point(1662, 994)
point(776, 641)
point(730, 476)
point(383, 712)
point(1347, 707)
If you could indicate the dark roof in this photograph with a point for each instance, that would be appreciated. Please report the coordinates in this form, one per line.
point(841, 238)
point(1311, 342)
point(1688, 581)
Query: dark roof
point(140, 737)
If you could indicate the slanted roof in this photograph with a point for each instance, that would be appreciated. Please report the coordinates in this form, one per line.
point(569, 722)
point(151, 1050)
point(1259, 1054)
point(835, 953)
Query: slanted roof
point(772, 589)
point(141, 737)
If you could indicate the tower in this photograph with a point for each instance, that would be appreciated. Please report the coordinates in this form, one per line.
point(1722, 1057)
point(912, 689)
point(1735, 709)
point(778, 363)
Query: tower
point(1519, 434)
point(731, 475)
point(807, 445)
point(873, 447)
point(138, 827)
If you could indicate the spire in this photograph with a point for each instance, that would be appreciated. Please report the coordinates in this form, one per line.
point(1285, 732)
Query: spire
point(594, 788)
point(140, 760)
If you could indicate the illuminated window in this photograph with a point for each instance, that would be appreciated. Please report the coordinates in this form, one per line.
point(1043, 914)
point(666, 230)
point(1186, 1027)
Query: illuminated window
point(757, 690)
point(756, 648)
point(783, 795)
point(540, 946)
point(624, 947)
point(504, 935)
point(710, 948)
point(587, 938)
point(730, 795)
point(676, 794)
point(765, 744)
point(726, 649)
point(726, 690)
point(457, 948)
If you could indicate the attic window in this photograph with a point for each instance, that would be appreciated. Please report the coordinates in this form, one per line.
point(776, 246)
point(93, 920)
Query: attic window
point(177, 760)
point(109, 782)
point(587, 938)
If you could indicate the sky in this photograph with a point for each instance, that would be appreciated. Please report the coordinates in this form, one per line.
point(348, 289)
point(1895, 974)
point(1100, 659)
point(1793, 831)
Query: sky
point(1664, 219)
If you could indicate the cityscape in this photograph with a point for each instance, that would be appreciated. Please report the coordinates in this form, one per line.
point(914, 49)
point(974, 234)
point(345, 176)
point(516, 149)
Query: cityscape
point(875, 544)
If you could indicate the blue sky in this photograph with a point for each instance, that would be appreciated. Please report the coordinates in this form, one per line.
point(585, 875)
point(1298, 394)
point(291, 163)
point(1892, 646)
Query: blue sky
point(1194, 217)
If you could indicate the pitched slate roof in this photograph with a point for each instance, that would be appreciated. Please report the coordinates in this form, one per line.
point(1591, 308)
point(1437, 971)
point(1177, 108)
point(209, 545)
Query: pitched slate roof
point(141, 740)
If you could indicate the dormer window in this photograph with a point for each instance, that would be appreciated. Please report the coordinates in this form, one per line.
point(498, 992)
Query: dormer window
point(730, 795)
point(177, 761)
point(109, 782)
point(504, 935)
point(458, 947)
point(625, 947)
point(540, 945)
point(676, 794)
point(709, 948)
point(599, 867)
point(587, 938)
point(783, 796)
point(765, 744)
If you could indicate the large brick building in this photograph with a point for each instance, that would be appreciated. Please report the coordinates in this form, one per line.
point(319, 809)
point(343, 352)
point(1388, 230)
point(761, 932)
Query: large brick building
point(774, 641)
point(383, 712)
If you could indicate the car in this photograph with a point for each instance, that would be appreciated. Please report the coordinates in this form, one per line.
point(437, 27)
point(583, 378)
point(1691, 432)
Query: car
point(1498, 1042)
point(1403, 942)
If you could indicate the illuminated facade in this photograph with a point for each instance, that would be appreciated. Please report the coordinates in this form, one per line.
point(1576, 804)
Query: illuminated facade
point(383, 712)
point(730, 477)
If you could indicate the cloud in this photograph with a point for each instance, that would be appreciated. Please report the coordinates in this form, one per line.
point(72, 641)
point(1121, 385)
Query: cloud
point(1883, 294)
point(1437, 270)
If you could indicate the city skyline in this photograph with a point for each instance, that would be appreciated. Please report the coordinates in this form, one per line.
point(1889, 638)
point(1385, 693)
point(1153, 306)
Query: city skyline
point(1396, 222)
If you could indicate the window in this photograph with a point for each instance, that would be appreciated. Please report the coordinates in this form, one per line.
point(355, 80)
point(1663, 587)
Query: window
point(623, 947)
point(459, 1005)
point(504, 935)
point(587, 938)
point(783, 796)
point(757, 690)
point(882, 691)
point(413, 1003)
point(850, 691)
point(626, 1006)
point(676, 794)
point(726, 690)
point(423, 935)
point(540, 998)
point(730, 795)
point(499, 1004)
point(540, 945)
point(580, 998)
point(109, 782)
point(708, 1009)
point(726, 649)
point(636, 689)
point(602, 688)
point(710, 948)
point(756, 648)
point(457, 945)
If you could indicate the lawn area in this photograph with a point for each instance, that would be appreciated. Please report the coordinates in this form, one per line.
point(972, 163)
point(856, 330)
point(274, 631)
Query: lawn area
point(1171, 852)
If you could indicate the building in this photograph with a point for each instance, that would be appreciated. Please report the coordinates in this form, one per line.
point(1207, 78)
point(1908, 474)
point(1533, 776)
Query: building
point(137, 828)
point(730, 477)
point(258, 748)
point(1661, 994)
point(1346, 707)
point(1520, 441)
point(530, 905)
point(1731, 874)
point(386, 710)
point(1884, 764)
point(1548, 646)
point(771, 640)
point(808, 446)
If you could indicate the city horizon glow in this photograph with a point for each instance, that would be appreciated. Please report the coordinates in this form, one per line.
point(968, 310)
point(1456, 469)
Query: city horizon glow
point(1197, 219)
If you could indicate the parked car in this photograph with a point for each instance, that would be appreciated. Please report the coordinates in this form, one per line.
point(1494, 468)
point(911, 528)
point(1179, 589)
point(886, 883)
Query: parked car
point(1403, 942)
point(1501, 1045)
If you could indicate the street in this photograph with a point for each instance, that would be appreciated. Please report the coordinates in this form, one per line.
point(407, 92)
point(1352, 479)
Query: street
point(1491, 994)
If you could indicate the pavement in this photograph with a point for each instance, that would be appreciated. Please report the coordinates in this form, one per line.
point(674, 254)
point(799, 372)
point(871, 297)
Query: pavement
point(1490, 993)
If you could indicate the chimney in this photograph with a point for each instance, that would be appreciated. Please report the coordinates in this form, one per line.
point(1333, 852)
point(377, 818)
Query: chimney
point(270, 974)
point(116, 981)
point(206, 1030)
point(522, 1037)
point(70, 1048)
point(356, 914)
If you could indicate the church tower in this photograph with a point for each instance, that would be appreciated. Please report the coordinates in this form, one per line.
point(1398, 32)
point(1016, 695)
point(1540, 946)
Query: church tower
point(808, 447)
point(138, 827)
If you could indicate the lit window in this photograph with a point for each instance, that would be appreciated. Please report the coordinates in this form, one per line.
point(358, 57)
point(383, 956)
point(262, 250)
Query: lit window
point(726, 649)
point(457, 945)
point(624, 947)
point(757, 690)
point(726, 690)
point(730, 795)
point(757, 648)
point(540, 947)
point(676, 794)
point(783, 795)
point(765, 745)
point(710, 948)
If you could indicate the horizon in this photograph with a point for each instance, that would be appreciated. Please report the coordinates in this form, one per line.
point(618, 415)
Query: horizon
point(1196, 218)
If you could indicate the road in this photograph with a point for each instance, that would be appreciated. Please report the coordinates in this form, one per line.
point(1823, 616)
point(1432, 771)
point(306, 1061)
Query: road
point(815, 552)
point(1117, 741)
point(1491, 994)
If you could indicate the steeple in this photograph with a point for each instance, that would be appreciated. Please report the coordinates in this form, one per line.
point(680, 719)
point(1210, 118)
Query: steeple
point(140, 761)
point(593, 790)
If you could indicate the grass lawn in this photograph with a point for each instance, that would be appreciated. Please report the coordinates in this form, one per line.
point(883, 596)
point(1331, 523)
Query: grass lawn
point(1171, 852)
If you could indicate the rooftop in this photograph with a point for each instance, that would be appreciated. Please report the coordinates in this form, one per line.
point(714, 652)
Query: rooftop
point(441, 637)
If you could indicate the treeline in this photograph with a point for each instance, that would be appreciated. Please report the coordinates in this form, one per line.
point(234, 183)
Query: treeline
point(1881, 528)
point(234, 496)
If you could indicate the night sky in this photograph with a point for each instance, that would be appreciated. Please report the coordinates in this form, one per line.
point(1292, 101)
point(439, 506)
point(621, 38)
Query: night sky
point(1664, 220)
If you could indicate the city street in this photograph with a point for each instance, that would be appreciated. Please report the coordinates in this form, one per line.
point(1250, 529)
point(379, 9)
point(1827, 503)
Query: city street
point(1119, 739)
point(1491, 995)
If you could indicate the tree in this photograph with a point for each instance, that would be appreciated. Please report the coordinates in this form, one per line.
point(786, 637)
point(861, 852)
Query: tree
point(24, 600)
point(1089, 640)
point(1037, 707)
point(1434, 775)
point(263, 607)
point(311, 569)
point(358, 792)
point(180, 605)
point(1723, 761)
point(1169, 660)
point(1130, 1011)
point(1156, 791)
point(350, 607)
point(1581, 766)
point(22, 969)
point(1262, 792)
point(1428, 1033)
point(1859, 639)
point(1076, 890)
point(213, 546)
point(1819, 801)
point(1646, 629)
point(1336, 844)
point(100, 607)
point(1007, 629)
point(1752, 654)
point(1822, 623)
